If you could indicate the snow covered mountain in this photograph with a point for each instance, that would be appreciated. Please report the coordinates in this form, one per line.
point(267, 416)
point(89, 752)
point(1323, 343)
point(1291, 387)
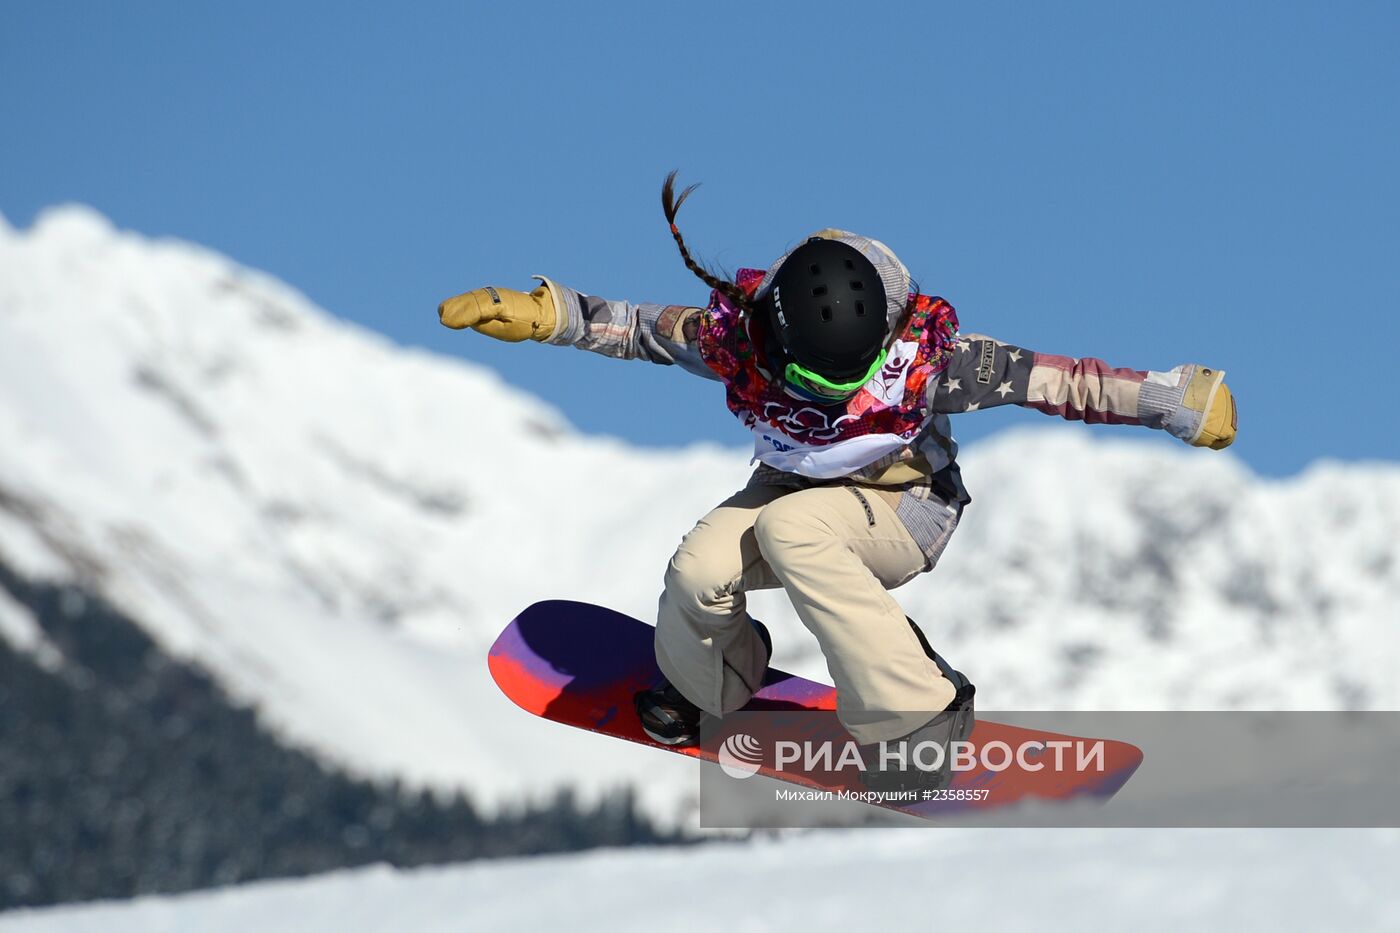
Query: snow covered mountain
point(291, 501)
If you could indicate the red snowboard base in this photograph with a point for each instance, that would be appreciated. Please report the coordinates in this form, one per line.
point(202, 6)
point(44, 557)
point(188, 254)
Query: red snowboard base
point(580, 665)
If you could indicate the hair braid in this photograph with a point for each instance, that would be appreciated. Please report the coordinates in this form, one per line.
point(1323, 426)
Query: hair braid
point(672, 205)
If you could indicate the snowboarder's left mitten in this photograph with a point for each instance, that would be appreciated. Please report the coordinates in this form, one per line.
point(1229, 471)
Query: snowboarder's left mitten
point(1208, 395)
point(1204, 413)
point(502, 313)
point(1220, 423)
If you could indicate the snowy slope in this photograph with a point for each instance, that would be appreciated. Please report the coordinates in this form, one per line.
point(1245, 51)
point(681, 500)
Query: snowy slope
point(944, 879)
point(293, 502)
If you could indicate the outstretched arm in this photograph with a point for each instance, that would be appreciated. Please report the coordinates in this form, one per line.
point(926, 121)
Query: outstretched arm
point(1190, 401)
point(665, 334)
point(557, 314)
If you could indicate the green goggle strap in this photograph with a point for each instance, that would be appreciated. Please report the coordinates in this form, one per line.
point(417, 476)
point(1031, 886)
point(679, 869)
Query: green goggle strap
point(799, 374)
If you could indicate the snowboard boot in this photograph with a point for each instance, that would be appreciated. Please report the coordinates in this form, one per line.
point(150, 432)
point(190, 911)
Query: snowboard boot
point(953, 724)
point(668, 717)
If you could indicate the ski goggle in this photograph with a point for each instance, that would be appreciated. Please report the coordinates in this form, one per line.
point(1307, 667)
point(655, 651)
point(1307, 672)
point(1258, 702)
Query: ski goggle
point(817, 384)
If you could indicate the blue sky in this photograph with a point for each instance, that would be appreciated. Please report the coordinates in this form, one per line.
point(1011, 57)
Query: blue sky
point(1147, 183)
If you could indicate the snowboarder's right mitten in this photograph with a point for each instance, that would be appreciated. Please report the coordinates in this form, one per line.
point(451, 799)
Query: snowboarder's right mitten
point(502, 313)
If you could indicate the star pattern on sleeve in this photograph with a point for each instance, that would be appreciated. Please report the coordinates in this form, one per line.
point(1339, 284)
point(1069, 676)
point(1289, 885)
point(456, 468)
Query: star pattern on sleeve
point(992, 374)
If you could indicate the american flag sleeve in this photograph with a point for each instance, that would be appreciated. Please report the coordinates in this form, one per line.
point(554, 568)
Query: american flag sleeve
point(985, 373)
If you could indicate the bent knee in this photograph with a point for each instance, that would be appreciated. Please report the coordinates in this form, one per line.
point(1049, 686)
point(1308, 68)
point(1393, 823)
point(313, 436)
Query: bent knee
point(785, 525)
point(693, 581)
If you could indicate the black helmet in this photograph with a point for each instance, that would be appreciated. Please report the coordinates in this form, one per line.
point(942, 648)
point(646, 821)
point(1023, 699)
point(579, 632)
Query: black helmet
point(826, 309)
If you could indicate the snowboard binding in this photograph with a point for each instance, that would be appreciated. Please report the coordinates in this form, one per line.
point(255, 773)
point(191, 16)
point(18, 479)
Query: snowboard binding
point(954, 724)
point(671, 719)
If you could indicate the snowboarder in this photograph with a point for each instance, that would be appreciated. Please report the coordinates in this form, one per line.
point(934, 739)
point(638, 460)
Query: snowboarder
point(846, 376)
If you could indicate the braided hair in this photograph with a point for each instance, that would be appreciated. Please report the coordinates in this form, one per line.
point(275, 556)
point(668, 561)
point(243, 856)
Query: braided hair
point(671, 205)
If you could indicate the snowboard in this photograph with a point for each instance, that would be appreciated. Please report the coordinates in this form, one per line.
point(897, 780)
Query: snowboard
point(581, 665)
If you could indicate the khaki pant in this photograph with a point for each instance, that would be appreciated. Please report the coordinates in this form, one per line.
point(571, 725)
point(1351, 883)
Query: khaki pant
point(836, 550)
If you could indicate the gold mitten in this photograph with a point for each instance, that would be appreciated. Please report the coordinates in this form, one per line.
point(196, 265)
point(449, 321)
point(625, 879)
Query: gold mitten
point(1208, 393)
point(502, 313)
